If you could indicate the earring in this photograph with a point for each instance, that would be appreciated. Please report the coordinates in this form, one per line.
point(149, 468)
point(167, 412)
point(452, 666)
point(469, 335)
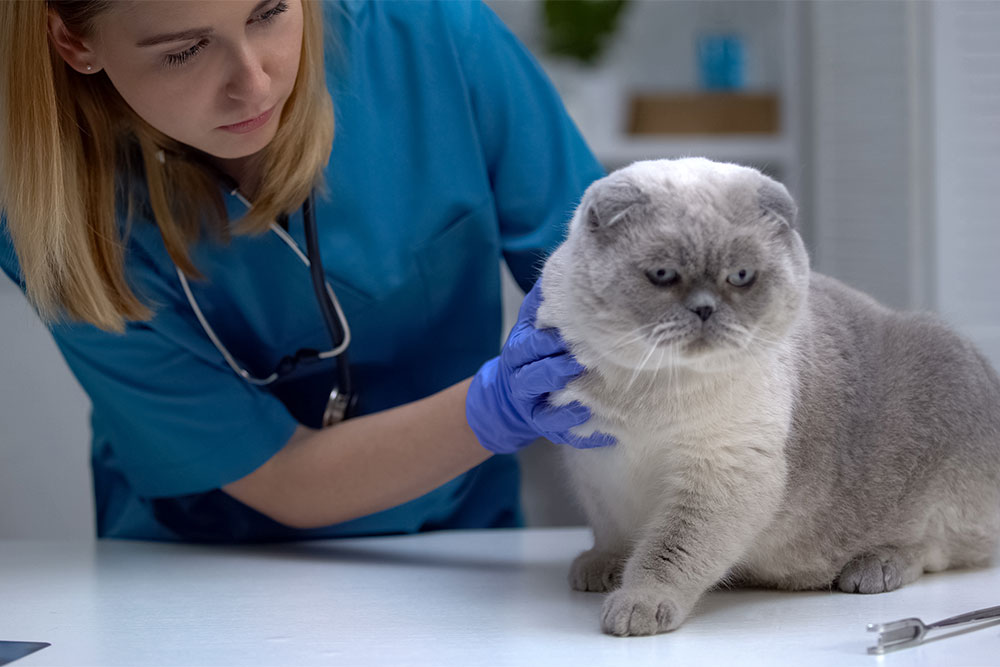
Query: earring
point(89, 67)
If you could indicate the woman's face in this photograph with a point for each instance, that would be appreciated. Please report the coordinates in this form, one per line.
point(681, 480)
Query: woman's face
point(212, 74)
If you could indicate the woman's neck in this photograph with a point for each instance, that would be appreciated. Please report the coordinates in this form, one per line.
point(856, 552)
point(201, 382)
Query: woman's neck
point(246, 171)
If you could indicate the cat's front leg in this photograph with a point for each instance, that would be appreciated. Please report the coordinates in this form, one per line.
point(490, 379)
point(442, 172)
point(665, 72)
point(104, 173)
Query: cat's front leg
point(700, 532)
point(597, 571)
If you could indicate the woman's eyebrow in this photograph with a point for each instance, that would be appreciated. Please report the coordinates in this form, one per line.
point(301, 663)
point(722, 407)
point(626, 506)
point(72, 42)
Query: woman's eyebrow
point(192, 33)
point(175, 36)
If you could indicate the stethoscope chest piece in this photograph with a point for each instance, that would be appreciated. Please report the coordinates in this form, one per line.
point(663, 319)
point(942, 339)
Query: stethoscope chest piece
point(338, 406)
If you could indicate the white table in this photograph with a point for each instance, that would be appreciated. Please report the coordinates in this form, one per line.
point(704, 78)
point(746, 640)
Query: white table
point(451, 598)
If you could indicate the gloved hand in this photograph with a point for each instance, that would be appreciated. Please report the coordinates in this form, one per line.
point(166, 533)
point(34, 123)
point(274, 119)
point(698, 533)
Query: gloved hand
point(507, 404)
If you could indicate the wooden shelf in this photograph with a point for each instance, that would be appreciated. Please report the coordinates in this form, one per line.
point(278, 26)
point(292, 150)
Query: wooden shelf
point(729, 113)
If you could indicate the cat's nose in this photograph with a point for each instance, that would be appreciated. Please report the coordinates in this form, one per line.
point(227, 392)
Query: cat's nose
point(704, 312)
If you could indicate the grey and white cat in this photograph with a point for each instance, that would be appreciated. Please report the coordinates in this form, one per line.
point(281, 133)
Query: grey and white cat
point(776, 427)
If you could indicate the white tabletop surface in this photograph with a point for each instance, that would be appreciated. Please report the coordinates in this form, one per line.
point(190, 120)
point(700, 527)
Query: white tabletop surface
point(450, 598)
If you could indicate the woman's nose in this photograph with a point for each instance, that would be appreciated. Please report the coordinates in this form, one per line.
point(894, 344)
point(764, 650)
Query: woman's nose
point(248, 81)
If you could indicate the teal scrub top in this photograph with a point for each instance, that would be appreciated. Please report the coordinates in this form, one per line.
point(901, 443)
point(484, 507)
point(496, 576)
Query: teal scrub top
point(451, 151)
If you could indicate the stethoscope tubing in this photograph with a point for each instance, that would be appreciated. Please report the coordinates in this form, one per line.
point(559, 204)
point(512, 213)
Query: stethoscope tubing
point(331, 310)
point(333, 322)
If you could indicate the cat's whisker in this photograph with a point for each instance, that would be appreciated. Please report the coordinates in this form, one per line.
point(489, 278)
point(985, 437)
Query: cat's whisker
point(642, 365)
point(656, 371)
point(738, 341)
point(739, 336)
point(732, 388)
point(666, 327)
point(640, 333)
point(629, 337)
point(608, 352)
point(753, 359)
point(611, 332)
point(639, 369)
point(675, 373)
point(621, 342)
point(655, 374)
point(757, 337)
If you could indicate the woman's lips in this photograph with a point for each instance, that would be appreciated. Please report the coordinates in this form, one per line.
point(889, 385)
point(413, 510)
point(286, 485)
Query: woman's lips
point(248, 125)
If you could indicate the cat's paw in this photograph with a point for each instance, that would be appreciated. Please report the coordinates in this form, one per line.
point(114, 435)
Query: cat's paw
point(596, 571)
point(878, 572)
point(631, 612)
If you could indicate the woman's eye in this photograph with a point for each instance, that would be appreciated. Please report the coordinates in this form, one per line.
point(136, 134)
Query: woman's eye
point(174, 59)
point(263, 17)
point(662, 277)
point(741, 278)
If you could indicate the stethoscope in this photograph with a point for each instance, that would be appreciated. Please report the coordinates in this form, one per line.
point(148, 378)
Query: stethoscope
point(342, 399)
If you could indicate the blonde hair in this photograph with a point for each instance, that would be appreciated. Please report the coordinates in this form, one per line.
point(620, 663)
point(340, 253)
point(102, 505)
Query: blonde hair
point(63, 138)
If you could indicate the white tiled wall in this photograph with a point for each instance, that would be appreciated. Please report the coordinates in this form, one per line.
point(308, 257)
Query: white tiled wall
point(966, 64)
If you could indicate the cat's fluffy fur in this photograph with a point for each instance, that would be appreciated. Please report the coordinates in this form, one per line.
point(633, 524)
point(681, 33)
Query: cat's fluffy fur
point(800, 436)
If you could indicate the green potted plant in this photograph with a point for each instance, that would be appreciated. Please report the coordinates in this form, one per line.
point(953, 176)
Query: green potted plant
point(580, 29)
point(576, 36)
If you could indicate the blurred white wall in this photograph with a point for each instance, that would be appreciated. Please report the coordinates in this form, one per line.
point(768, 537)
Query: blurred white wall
point(865, 156)
point(905, 152)
point(963, 243)
point(44, 431)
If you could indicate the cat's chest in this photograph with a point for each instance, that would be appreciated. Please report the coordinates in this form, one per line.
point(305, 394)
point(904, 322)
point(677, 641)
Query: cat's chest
point(672, 437)
point(687, 412)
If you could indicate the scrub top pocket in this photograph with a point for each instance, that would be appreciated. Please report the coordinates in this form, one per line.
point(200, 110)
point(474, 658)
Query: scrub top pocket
point(460, 270)
point(457, 253)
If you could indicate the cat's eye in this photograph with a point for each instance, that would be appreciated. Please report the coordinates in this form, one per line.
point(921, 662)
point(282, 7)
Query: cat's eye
point(662, 277)
point(742, 278)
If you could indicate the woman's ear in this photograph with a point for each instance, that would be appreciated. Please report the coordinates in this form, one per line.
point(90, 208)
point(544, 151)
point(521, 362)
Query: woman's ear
point(76, 52)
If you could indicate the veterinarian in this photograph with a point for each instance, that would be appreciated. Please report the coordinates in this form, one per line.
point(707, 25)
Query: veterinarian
point(156, 158)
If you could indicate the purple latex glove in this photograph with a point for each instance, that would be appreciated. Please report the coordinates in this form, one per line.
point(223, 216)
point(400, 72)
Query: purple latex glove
point(507, 404)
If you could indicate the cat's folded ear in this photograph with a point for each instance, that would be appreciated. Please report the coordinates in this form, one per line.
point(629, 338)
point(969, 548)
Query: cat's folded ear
point(774, 199)
point(611, 201)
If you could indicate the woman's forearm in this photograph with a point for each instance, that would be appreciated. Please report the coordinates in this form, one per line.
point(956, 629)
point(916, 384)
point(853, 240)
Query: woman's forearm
point(366, 464)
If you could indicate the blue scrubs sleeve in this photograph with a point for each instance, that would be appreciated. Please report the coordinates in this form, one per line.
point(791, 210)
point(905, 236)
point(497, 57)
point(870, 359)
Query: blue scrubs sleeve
point(180, 424)
point(538, 163)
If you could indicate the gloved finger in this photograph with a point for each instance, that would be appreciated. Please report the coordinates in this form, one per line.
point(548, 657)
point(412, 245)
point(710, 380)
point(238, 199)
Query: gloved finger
point(529, 344)
point(592, 441)
point(529, 307)
point(543, 376)
point(552, 419)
